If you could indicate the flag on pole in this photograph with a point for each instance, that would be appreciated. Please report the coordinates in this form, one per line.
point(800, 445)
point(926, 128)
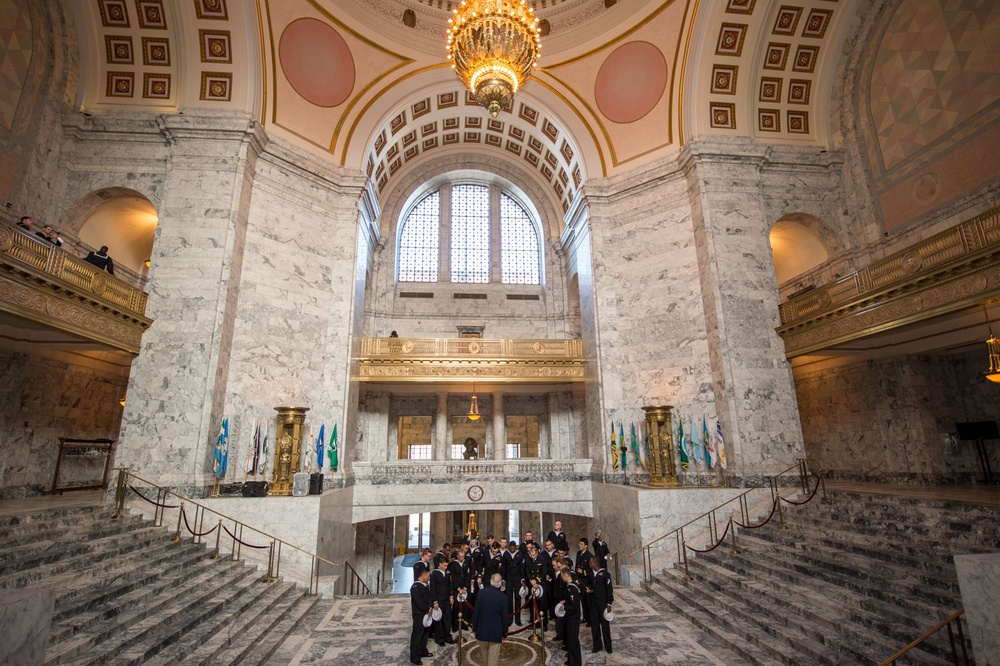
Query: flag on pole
point(614, 449)
point(710, 456)
point(682, 445)
point(320, 442)
point(253, 456)
point(621, 443)
point(720, 444)
point(222, 449)
point(264, 453)
point(635, 449)
point(333, 449)
point(697, 454)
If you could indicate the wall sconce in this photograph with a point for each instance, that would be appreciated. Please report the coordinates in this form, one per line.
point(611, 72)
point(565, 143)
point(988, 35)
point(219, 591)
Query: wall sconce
point(121, 401)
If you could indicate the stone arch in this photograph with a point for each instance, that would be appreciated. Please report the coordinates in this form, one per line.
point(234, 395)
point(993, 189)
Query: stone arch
point(799, 243)
point(123, 219)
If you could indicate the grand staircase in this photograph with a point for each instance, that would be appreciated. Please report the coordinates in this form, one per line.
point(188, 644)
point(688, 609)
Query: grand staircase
point(126, 594)
point(847, 583)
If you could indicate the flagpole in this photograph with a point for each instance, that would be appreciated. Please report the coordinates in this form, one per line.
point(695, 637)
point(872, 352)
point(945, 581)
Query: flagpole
point(246, 465)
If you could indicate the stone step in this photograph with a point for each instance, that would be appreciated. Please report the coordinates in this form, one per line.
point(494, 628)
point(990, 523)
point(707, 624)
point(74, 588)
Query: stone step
point(229, 613)
point(117, 631)
point(76, 556)
point(800, 608)
point(26, 546)
point(935, 569)
point(757, 647)
point(142, 580)
point(834, 597)
point(256, 650)
point(11, 525)
point(240, 632)
point(913, 546)
point(837, 569)
point(905, 504)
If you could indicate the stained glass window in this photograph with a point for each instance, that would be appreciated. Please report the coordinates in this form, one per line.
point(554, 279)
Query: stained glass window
point(419, 241)
point(518, 244)
point(470, 234)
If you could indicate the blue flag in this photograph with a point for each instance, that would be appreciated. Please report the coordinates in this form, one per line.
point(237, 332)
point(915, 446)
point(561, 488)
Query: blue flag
point(319, 446)
point(222, 449)
point(696, 451)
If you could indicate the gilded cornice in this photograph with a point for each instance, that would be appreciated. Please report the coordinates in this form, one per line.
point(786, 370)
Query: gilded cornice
point(948, 272)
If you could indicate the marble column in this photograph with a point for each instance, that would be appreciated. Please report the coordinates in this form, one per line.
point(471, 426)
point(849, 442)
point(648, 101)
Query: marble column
point(441, 428)
point(379, 446)
point(439, 530)
point(557, 447)
point(499, 428)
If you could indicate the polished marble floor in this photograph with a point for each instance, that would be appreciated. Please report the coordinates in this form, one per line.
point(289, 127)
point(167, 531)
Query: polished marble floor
point(376, 630)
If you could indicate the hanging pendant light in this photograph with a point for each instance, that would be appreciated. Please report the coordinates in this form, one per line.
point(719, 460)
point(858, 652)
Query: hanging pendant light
point(473, 414)
point(993, 346)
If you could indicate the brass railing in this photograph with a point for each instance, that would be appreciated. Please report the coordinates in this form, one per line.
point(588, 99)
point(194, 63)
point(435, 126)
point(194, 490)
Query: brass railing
point(353, 583)
point(712, 524)
point(957, 653)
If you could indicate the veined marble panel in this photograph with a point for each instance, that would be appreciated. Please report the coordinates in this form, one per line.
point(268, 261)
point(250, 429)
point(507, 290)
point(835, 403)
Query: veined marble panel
point(979, 580)
point(25, 620)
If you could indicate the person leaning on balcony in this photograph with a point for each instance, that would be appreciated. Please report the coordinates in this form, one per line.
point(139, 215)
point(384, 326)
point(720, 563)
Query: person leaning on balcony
point(50, 234)
point(25, 223)
point(101, 260)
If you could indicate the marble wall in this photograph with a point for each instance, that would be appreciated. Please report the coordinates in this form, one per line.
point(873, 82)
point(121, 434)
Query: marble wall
point(890, 419)
point(44, 398)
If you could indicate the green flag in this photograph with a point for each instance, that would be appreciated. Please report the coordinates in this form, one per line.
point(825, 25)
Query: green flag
point(333, 449)
point(681, 446)
point(621, 442)
point(635, 448)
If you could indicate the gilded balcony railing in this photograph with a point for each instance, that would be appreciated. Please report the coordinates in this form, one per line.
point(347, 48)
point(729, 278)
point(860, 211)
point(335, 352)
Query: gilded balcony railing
point(471, 359)
point(944, 273)
point(42, 283)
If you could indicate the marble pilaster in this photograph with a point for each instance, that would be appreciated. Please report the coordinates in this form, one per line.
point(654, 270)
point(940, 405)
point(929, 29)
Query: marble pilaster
point(441, 428)
point(979, 581)
point(499, 428)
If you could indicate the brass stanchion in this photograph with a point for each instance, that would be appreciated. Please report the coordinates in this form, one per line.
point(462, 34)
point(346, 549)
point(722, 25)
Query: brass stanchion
point(684, 554)
point(180, 513)
point(732, 532)
point(822, 483)
point(218, 532)
point(270, 564)
point(781, 516)
point(543, 635)
point(535, 621)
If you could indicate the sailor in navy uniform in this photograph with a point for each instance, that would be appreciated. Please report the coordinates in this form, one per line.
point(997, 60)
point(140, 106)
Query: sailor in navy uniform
point(573, 604)
point(420, 606)
point(441, 597)
point(601, 597)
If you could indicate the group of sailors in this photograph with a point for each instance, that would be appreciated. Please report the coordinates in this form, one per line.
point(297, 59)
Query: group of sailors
point(565, 591)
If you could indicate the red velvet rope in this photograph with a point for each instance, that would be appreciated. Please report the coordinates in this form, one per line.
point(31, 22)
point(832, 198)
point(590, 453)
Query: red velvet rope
point(774, 506)
point(806, 500)
point(709, 550)
point(162, 506)
point(188, 526)
point(248, 545)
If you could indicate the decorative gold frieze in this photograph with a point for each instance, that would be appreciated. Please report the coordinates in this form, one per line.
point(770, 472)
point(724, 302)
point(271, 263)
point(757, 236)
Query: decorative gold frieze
point(42, 283)
point(457, 359)
point(948, 272)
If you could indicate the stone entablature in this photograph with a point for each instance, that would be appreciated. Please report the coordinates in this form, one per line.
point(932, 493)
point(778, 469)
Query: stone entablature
point(456, 359)
point(945, 273)
point(44, 284)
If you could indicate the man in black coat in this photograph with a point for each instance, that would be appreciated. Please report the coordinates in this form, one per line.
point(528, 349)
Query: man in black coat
point(101, 259)
point(423, 564)
point(458, 570)
point(420, 606)
point(558, 537)
point(602, 595)
point(538, 572)
point(489, 619)
point(601, 550)
point(514, 578)
point(441, 597)
point(573, 605)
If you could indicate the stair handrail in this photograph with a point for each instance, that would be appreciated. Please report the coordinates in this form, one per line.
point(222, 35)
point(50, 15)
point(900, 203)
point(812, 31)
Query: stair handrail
point(954, 617)
point(801, 465)
point(351, 577)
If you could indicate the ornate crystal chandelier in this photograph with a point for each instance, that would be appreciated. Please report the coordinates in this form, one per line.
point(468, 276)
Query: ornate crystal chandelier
point(493, 44)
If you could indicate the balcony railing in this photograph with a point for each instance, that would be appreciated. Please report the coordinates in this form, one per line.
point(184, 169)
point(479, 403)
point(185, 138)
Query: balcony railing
point(471, 359)
point(42, 283)
point(419, 471)
point(944, 273)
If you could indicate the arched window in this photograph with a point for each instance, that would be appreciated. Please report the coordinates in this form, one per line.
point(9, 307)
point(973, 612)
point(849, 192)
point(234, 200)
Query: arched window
point(470, 233)
point(486, 243)
point(419, 241)
point(519, 260)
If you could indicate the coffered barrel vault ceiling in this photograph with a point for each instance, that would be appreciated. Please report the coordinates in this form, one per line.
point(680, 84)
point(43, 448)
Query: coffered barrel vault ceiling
point(614, 87)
